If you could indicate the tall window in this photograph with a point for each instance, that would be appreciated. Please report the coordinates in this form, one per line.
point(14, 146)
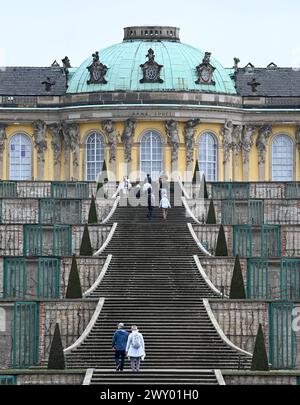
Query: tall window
point(208, 156)
point(20, 158)
point(94, 155)
point(282, 158)
point(151, 155)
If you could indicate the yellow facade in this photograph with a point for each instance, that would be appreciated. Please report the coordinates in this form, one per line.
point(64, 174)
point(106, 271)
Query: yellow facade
point(141, 128)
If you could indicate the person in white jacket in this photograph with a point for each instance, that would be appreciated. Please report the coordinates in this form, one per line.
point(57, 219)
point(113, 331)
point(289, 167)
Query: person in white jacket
point(165, 205)
point(135, 348)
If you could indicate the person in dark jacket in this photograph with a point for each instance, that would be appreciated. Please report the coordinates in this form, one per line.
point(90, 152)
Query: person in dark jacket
point(119, 344)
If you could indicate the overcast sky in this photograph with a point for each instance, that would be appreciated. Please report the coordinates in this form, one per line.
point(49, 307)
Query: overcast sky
point(35, 32)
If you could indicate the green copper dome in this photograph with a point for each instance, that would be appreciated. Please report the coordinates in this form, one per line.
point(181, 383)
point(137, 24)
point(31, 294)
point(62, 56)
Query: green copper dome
point(124, 62)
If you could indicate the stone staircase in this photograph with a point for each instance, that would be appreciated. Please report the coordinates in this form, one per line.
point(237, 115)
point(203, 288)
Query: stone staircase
point(153, 281)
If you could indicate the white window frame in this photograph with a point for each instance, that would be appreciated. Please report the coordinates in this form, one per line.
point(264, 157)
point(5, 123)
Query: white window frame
point(203, 165)
point(95, 161)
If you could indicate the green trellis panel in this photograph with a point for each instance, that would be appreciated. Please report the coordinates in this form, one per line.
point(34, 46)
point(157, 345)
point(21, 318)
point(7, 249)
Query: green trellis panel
point(268, 246)
point(25, 334)
point(14, 278)
point(240, 212)
point(34, 240)
point(256, 212)
point(64, 211)
point(70, 190)
point(257, 278)
point(224, 190)
point(8, 380)
point(292, 190)
point(289, 279)
point(281, 335)
point(48, 277)
point(47, 211)
point(8, 189)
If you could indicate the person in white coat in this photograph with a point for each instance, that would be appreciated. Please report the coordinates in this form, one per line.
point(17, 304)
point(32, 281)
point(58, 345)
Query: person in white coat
point(135, 348)
point(165, 205)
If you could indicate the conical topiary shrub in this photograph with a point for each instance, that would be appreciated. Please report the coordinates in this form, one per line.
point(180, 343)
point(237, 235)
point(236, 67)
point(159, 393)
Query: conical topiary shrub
point(260, 358)
point(237, 288)
point(56, 359)
point(74, 290)
point(203, 189)
point(93, 217)
point(211, 216)
point(103, 175)
point(221, 249)
point(196, 173)
point(86, 246)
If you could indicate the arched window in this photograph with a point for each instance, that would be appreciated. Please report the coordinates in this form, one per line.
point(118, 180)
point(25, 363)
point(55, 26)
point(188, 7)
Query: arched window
point(20, 158)
point(208, 156)
point(282, 158)
point(94, 155)
point(151, 155)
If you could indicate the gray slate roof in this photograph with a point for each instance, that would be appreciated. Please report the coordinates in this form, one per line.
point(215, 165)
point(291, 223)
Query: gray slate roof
point(27, 81)
point(275, 82)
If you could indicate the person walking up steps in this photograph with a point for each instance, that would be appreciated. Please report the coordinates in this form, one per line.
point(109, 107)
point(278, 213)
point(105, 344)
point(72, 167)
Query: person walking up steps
point(165, 205)
point(135, 349)
point(119, 343)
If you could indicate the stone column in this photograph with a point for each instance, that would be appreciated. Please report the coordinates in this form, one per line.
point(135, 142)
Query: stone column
point(226, 133)
point(111, 134)
point(39, 134)
point(263, 134)
point(127, 140)
point(3, 138)
point(247, 143)
point(189, 137)
point(236, 146)
point(56, 133)
point(174, 141)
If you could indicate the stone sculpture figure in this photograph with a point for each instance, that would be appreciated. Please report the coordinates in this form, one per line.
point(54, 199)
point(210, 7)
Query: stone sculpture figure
point(71, 136)
point(237, 139)
point(3, 137)
point(227, 139)
point(111, 134)
point(298, 138)
point(247, 141)
point(127, 138)
point(189, 136)
point(56, 143)
point(39, 133)
point(173, 138)
point(263, 134)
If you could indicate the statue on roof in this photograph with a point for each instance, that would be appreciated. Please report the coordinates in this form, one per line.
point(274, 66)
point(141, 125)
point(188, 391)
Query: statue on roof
point(205, 71)
point(151, 69)
point(97, 70)
point(66, 62)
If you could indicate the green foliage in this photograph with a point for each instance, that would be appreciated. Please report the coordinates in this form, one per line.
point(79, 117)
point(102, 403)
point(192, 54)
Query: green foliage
point(56, 359)
point(260, 358)
point(221, 249)
point(205, 187)
point(211, 216)
point(93, 218)
point(237, 288)
point(86, 246)
point(74, 290)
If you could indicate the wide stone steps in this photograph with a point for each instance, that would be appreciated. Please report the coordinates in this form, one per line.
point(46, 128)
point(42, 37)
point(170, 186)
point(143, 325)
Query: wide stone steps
point(153, 281)
point(156, 377)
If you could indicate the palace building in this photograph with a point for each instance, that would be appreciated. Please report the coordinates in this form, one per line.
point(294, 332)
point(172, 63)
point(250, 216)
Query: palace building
point(150, 104)
point(214, 287)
